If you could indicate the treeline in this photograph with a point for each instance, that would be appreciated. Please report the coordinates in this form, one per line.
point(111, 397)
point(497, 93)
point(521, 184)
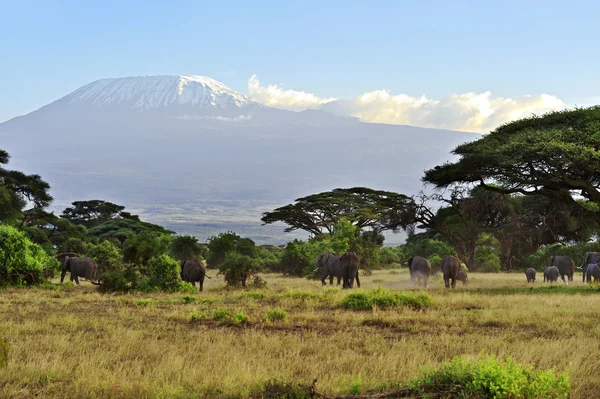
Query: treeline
point(528, 190)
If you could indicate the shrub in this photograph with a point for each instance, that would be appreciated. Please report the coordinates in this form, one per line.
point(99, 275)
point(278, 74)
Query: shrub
point(114, 282)
point(385, 299)
point(275, 314)
point(21, 261)
point(189, 299)
point(163, 274)
point(237, 268)
point(487, 260)
point(184, 286)
point(193, 318)
point(239, 318)
point(107, 256)
point(225, 317)
point(221, 315)
point(488, 377)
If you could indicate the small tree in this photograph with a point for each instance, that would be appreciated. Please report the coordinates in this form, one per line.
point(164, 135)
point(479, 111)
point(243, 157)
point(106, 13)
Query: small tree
point(186, 247)
point(21, 261)
point(238, 268)
point(163, 274)
point(107, 256)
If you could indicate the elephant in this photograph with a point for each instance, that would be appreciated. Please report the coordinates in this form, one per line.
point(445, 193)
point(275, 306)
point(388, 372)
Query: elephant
point(450, 266)
point(530, 274)
point(349, 263)
point(79, 267)
point(462, 276)
point(420, 269)
point(591, 270)
point(330, 266)
point(192, 271)
point(565, 265)
point(551, 274)
point(589, 258)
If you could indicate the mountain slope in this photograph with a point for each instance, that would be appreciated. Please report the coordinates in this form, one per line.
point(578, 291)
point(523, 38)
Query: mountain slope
point(202, 158)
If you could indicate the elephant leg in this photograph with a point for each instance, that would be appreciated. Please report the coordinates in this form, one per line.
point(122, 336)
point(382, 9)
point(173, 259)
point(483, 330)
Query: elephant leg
point(244, 280)
point(454, 283)
point(75, 278)
point(201, 284)
point(446, 282)
point(425, 284)
point(357, 281)
point(338, 280)
point(562, 277)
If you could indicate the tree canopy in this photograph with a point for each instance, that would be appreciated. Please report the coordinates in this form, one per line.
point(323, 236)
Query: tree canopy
point(556, 155)
point(363, 207)
point(92, 213)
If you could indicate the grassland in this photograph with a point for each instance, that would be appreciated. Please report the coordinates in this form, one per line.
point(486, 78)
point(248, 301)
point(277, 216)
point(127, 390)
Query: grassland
point(69, 341)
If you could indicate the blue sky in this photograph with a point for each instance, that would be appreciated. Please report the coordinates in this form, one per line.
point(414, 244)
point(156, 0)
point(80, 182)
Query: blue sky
point(331, 48)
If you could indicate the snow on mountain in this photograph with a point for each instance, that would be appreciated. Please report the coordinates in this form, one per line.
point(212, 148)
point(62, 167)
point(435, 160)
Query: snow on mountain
point(151, 92)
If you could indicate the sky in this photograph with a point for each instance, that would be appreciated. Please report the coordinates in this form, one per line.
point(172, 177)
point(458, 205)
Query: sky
point(463, 64)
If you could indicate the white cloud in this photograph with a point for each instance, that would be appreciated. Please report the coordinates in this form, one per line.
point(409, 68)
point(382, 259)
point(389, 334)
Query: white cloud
point(473, 112)
point(277, 97)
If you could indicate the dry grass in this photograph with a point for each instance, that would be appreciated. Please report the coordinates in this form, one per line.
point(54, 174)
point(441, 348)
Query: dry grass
point(75, 342)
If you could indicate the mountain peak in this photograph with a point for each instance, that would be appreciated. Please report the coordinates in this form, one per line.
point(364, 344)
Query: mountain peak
point(152, 92)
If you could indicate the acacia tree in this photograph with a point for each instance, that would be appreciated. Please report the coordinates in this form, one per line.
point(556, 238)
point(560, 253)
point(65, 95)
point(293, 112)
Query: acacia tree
point(556, 155)
point(363, 207)
point(18, 188)
point(93, 212)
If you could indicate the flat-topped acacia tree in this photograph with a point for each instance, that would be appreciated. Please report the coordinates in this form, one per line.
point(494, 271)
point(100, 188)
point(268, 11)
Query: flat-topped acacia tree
point(363, 207)
point(556, 155)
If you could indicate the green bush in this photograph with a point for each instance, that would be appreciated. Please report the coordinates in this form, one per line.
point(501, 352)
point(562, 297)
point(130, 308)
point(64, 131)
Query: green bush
point(385, 299)
point(225, 317)
point(114, 282)
point(488, 261)
point(189, 299)
point(488, 377)
point(163, 275)
point(275, 314)
point(107, 257)
point(184, 286)
point(21, 261)
point(237, 267)
point(193, 318)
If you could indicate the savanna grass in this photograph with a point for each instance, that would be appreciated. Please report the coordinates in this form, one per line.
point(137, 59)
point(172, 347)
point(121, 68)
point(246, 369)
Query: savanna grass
point(77, 342)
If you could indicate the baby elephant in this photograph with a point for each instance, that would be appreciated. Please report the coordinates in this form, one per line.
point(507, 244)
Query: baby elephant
point(462, 276)
point(551, 274)
point(530, 274)
point(592, 270)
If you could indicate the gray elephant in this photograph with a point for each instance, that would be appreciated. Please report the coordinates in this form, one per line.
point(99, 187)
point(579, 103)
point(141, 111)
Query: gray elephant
point(462, 276)
point(551, 274)
point(591, 270)
point(420, 269)
point(192, 271)
point(530, 274)
point(450, 266)
point(79, 267)
point(330, 266)
point(349, 262)
point(565, 265)
point(589, 258)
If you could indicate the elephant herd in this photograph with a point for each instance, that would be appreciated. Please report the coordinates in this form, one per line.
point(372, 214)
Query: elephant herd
point(563, 266)
point(346, 267)
point(192, 270)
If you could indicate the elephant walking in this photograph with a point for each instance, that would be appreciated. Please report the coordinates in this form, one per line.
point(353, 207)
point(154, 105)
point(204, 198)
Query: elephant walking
point(192, 271)
point(591, 270)
point(450, 266)
point(79, 267)
point(330, 266)
point(462, 276)
point(551, 274)
point(530, 274)
point(420, 269)
point(589, 258)
point(349, 262)
point(565, 265)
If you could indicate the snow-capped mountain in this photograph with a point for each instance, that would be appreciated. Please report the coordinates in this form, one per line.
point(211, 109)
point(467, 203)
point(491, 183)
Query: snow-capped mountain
point(151, 92)
point(197, 157)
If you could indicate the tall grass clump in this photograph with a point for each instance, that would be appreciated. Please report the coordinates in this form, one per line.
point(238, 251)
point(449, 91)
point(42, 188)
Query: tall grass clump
point(385, 299)
point(4, 347)
point(275, 314)
point(488, 377)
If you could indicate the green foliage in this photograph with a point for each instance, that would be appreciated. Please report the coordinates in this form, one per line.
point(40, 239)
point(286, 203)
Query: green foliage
point(144, 302)
point(92, 213)
point(384, 299)
point(488, 377)
point(107, 257)
point(237, 268)
point(113, 281)
point(355, 386)
point(390, 255)
point(184, 286)
point(4, 348)
point(194, 318)
point(163, 274)
point(21, 261)
point(275, 314)
point(362, 207)
point(426, 246)
point(219, 246)
point(189, 299)
point(186, 247)
point(122, 229)
point(487, 260)
point(140, 248)
point(225, 317)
